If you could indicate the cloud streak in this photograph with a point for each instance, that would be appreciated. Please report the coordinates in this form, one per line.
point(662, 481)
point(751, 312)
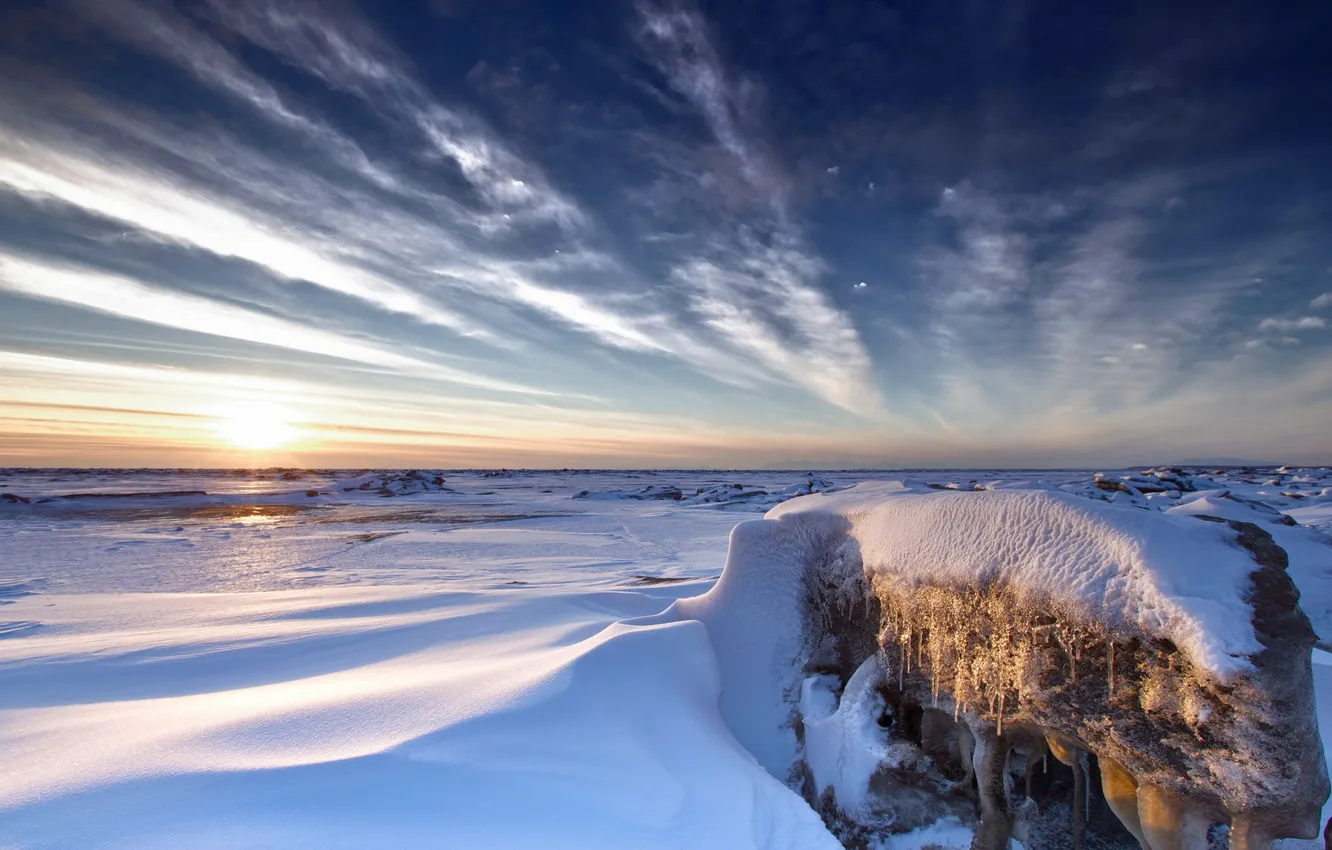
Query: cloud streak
point(1304, 323)
point(159, 29)
point(424, 265)
point(166, 208)
point(121, 296)
point(1052, 307)
point(348, 55)
point(754, 282)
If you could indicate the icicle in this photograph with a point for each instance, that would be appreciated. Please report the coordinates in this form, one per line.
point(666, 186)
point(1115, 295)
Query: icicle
point(1084, 765)
point(1078, 794)
point(991, 763)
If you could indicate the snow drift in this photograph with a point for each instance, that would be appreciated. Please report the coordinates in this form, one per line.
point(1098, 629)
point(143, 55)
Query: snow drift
point(898, 651)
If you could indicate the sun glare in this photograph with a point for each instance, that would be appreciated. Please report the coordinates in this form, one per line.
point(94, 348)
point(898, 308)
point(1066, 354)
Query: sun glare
point(256, 426)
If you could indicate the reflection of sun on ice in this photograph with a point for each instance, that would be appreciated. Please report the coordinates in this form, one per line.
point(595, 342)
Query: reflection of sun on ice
point(252, 425)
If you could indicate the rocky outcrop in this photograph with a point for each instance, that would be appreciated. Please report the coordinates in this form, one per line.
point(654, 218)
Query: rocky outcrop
point(673, 494)
point(396, 483)
point(729, 495)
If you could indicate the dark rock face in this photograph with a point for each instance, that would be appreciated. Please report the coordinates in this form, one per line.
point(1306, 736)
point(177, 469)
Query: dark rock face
point(1283, 686)
point(977, 680)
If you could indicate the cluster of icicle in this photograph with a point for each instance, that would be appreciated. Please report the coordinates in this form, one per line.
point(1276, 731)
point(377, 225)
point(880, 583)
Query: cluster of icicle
point(1020, 677)
point(979, 647)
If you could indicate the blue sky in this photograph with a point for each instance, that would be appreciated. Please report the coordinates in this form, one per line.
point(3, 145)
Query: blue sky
point(607, 234)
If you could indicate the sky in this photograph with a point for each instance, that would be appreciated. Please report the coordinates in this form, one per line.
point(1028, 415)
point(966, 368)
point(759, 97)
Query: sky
point(608, 234)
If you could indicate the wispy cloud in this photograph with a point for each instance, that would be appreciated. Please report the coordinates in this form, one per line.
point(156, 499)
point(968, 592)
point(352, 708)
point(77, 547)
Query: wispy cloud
point(121, 296)
point(1324, 300)
point(678, 41)
point(158, 28)
point(989, 265)
point(166, 207)
point(444, 262)
point(754, 280)
point(1304, 323)
point(349, 55)
point(1058, 300)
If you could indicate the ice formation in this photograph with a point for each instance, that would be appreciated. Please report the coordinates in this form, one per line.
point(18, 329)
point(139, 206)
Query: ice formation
point(901, 653)
point(722, 495)
point(407, 482)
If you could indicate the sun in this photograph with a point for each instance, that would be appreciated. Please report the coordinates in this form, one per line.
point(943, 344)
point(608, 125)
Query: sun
point(255, 425)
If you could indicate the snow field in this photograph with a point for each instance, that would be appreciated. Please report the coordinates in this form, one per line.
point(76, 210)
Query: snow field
point(495, 664)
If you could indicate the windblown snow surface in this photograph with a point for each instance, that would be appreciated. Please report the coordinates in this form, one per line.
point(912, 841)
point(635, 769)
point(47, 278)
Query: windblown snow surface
point(466, 659)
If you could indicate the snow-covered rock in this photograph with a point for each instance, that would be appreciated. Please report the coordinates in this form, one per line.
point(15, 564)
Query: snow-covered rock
point(872, 641)
point(727, 495)
point(1308, 550)
point(650, 492)
point(730, 494)
point(408, 482)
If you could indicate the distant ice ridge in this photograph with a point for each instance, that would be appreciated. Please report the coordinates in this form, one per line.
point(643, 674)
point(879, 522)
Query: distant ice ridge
point(889, 647)
point(407, 482)
point(719, 495)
